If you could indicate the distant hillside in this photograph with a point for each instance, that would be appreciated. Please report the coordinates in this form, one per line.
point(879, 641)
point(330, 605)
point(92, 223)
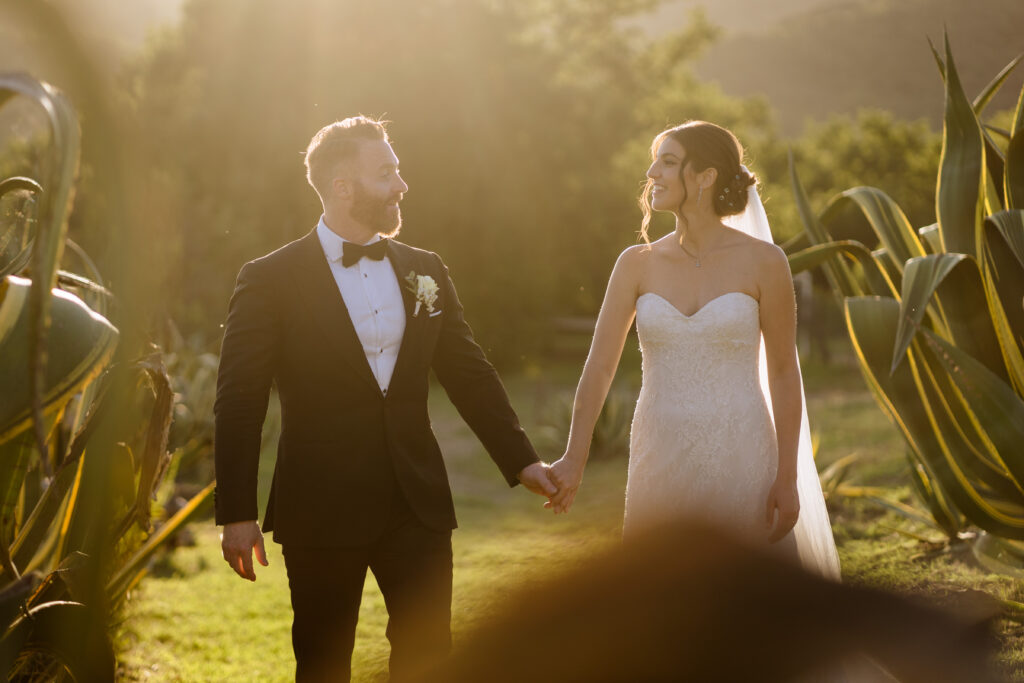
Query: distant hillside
point(837, 56)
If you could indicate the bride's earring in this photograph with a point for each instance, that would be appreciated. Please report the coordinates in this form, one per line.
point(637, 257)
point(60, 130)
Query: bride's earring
point(700, 193)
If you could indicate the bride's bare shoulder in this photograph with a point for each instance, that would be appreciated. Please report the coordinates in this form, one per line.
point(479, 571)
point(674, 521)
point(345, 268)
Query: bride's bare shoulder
point(761, 252)
point(637, 254)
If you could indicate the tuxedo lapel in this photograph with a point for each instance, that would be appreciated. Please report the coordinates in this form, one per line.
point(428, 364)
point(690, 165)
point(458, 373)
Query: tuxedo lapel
point(320, 294)
point(403, 262)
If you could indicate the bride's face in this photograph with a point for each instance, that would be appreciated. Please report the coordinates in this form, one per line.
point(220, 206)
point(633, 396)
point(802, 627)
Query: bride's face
point(667, 188)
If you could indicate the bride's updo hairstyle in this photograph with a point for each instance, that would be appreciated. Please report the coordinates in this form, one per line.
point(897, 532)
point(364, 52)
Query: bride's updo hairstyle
point(707, 146)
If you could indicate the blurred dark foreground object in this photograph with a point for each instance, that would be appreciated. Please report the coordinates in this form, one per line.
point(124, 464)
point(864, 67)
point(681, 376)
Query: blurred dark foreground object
point(687, 603)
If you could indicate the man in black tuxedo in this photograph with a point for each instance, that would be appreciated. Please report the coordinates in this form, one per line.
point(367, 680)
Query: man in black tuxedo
point(348, 323)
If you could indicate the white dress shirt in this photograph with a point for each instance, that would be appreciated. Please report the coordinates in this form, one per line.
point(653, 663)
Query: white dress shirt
point(373, 297)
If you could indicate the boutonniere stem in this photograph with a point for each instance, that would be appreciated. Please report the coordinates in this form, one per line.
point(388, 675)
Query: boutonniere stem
point(425, 289)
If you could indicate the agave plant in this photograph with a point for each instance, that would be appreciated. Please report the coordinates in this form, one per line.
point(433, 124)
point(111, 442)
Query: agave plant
point(83, 432)
point(936, 314)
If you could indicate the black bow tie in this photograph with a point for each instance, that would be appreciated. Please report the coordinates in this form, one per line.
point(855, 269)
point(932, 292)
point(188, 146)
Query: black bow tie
point(353, 252)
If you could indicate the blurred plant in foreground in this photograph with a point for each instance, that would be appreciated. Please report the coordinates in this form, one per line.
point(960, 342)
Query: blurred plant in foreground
point(83, 438)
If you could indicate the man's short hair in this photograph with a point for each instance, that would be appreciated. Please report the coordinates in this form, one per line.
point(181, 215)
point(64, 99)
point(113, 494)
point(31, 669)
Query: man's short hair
point(336, 143)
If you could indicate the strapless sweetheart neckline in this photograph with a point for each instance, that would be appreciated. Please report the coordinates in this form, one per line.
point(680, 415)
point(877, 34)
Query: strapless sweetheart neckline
point(699, 310)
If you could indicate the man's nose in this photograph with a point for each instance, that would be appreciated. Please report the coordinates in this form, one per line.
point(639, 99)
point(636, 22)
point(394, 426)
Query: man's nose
point(402, 187)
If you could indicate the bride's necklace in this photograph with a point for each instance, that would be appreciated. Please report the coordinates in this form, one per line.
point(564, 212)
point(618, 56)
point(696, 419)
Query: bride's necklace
point(697, 257)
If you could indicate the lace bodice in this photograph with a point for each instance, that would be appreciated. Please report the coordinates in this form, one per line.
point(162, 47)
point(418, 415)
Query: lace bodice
point(701, 354)
point(702, 442)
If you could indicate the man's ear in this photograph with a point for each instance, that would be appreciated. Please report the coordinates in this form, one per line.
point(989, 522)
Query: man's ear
point(341, 187)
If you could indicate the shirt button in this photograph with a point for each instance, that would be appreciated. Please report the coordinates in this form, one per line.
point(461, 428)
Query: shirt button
point(375, 312)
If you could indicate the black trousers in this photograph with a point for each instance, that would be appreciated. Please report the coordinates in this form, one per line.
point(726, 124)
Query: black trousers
point(413, 567)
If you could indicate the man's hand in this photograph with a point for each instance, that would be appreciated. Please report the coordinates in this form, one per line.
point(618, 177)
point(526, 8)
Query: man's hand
point(535, 478)
point(237, 542)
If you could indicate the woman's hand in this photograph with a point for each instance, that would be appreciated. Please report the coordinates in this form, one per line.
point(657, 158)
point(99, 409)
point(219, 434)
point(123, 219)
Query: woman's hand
point(567, 474)
point(784, 500)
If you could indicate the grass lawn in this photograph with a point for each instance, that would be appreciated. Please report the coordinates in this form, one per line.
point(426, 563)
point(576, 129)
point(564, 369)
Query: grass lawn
point(192, 619)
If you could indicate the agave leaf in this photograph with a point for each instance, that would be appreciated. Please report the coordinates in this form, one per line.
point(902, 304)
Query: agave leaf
point(796, 243)
point(995, 166)
point(838, 274)
point(16, 244)
point(883, 216)
point(66, 279)
point(930, 238)
point(892, 270)
point(922, 277)
point(832, 476)
point(1010, 225)
point(1003, 274)
point(994, 407)
point(961, 172)
point(13, 595)
point(967, 451)
point(1018, 115)
point(961, 429)
point(843, 220)
point(911, 513)
point(80, 346)
point(1013, 180)
point(155, 456)
point(14, 459)
point(49, 243)
point(70, 632)
point(129, 573)
point(1004, 264)
point(1001, 132)
point(914, 404)
point(34, 530)
point(815, 256)
point(938, 60)
point(942, 508)
point(999, 555)
point(985, 96)
point(18, 263)
point(19, 183)
point(95, 295)
point(961, 304)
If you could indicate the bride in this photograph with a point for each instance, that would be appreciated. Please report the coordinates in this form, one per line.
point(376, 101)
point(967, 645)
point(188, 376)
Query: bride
point(720, 431)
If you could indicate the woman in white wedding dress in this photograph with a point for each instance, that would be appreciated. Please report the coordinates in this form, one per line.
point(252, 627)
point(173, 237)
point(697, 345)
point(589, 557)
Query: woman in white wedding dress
point(720, 431)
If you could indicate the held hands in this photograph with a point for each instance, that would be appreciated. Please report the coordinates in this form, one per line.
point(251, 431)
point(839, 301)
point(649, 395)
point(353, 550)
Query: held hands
point(567, 473)
point(535, 478)
point(237, 542)
point(782, 498)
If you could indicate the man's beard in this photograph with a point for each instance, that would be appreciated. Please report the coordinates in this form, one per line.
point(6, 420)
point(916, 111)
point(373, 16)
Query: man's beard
point(374, 212)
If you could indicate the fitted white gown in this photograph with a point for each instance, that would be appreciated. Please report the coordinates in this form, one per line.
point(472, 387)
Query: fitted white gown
point(703, 441)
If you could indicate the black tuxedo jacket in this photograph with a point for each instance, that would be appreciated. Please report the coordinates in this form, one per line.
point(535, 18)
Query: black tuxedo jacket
point(345, 446)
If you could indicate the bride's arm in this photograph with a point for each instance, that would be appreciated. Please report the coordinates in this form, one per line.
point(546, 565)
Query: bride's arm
point(778, 325)
point(613, 323)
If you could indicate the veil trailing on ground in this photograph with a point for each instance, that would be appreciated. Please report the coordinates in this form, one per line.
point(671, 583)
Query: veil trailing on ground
point(813, 531)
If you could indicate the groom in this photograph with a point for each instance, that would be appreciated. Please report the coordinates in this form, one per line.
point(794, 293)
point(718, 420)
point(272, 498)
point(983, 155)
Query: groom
point(348, 323)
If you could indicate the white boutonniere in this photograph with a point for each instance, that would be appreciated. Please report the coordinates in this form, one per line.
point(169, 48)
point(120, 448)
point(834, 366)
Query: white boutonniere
point(425, 289)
